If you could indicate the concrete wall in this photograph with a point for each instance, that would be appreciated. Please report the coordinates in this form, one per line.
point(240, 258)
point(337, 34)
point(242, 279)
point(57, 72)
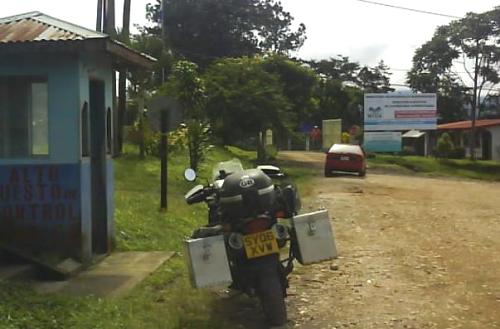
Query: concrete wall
point(40, 203)
point(99, 68)
point(62, 75)
point(495, 142)
point(68, 88)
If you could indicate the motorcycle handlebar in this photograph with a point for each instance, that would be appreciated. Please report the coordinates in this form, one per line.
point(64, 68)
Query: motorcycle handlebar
point(199, 196)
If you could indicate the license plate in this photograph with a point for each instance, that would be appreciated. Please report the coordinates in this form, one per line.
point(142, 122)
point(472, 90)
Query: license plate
point(260, 244)
point(344, 158)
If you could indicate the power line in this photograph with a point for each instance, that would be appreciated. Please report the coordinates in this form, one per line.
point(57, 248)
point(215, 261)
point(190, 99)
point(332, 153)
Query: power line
point(400, 84)
point(408, 9)
point(408, 70)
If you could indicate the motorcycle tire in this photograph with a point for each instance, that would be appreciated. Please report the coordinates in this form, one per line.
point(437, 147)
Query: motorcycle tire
point(272, 298)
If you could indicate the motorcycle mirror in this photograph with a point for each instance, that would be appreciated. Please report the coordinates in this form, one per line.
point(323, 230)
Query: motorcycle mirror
point(190, 175)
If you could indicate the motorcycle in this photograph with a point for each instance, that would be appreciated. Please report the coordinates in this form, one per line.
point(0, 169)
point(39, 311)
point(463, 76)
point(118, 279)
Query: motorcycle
point(249, 209)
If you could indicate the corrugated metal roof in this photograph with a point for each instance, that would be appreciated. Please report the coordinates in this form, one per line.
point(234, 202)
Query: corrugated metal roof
point(36, 26)
point(413, 134)
point(460, 125)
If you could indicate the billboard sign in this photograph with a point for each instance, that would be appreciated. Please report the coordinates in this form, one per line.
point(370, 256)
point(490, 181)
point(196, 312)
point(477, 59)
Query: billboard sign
point(382, 141)
point(332, 132)
point(395, 111)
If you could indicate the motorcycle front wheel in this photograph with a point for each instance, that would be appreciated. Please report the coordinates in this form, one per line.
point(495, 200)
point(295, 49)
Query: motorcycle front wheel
point(272, 297)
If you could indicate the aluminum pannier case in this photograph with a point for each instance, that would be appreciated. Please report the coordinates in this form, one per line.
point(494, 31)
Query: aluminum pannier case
point(207, 261)
point(315, 238)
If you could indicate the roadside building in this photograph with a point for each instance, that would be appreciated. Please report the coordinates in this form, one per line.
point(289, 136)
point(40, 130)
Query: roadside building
point(416, 142)
point(487, 137)
point(57, 97)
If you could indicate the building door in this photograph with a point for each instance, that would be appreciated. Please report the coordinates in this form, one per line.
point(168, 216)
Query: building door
point(97, 107)
point(486, 143)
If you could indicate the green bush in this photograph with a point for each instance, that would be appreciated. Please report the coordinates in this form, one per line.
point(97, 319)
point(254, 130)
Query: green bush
point(444, 146)
point(271, 152)
point(458, 153)
point(177, 140)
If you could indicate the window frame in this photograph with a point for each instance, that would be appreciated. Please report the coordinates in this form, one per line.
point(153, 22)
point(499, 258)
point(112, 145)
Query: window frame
point(30, 80)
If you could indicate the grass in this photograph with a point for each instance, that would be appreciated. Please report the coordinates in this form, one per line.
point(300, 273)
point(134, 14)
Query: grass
point(484, 170)
point(165, 299)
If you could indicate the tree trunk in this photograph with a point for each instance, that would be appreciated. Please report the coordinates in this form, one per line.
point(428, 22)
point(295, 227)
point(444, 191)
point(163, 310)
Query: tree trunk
point(472, 137)
point(261, 151)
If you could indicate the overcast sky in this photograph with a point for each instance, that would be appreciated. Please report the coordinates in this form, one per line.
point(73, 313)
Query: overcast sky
point(366, 33)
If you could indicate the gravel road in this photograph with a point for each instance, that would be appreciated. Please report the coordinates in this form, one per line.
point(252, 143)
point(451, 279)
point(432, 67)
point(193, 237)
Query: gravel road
point(414, 253)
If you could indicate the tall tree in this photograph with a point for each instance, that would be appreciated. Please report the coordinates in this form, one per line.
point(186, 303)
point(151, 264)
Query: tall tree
point(341, 88)
point(276, 34)
point(205, 30)
point(154, 46)
point(376, 79)
point(341, 69)
point(475, 40)
point(338, 101)
point(299, 84)
point(244, 100)
point(185, 85)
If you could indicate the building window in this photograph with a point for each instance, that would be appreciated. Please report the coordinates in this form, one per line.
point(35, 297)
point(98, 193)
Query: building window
point(24, 117)
point(109, 131)
point(85, 130)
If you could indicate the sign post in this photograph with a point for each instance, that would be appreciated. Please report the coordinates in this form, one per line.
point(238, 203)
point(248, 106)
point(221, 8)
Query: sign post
point(163, 155)
point(168, 113)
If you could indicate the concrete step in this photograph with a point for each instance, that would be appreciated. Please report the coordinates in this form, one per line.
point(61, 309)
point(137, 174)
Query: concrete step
point(62, 270)
point(13, 271)
point(114, 276)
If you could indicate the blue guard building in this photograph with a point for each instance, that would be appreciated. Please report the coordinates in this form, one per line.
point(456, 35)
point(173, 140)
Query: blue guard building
point(57, 93)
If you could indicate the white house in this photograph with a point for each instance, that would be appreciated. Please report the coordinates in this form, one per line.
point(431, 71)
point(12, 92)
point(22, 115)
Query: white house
point(487, 137)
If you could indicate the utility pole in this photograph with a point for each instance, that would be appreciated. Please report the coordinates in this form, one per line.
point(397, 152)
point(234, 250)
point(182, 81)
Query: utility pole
point(122, 82)
point(163, 21)
point(100, 7)
point(105, 21)
point(110, 18)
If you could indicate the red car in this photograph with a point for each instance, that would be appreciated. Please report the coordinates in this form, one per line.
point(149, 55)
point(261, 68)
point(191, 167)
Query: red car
point(345, 157)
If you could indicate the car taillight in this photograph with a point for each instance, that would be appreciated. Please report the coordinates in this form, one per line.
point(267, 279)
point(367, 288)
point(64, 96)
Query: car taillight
point(256, 225)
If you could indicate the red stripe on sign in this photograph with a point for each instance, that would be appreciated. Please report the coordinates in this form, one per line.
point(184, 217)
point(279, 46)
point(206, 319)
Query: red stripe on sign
point(415, 114)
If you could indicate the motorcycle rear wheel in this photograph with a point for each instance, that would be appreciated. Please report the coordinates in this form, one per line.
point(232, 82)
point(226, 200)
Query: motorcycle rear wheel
point(272, 298)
